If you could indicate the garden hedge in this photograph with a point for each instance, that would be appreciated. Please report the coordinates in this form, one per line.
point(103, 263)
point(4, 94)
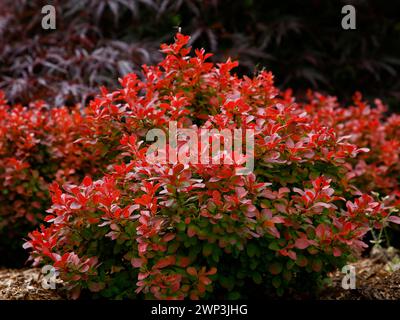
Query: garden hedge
point(172, 230)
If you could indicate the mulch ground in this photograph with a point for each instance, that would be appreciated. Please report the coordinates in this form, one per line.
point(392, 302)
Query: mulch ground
point(376, 279)
point(373, 282)
point(24, 284)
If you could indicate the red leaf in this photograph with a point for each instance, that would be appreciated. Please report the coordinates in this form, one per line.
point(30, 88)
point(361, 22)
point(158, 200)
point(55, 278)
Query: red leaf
point(301, 261)
point(191, 231)
point(212, 271)
point(136, 262)
point(394, 219)
point(184, 262)
point(275, 268)
point(337, 252)
point(168, 237)
point(142, 247)
point(192, 271)
point(75, 293)
point(292, 255)
point(142, 275)
point(301, 243)
point(316, 265)
point(87, 181)
point(96, 287)
point(205, 280)
point(320, 231)
point(165, 262)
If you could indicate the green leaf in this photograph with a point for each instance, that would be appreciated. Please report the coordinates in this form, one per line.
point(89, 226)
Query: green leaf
point(234, 295)
point(215, 256)
point(257, 278)
point(207, 249)
point(253, 264)
point(227, 282)
point(276, 282)
point(287, 275)
point(274, 246)
point(252, 250)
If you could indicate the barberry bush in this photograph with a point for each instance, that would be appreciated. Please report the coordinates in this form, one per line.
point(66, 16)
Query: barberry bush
point(171, 230)
point(37, 146)
point(379, 169)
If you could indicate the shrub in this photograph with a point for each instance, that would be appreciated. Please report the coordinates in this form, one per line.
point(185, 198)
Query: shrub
point(379, 169)
point(37, 147)
point(160, 230)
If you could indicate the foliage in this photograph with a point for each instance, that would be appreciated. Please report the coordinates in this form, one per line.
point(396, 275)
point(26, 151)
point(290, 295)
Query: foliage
point(149, 229)
point(37, 146)
point(96, 42)
point(67, 65)
point(377, 171)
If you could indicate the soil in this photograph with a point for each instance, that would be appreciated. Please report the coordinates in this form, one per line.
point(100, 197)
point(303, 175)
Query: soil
point(24, 284)
point(376, 279)
point(373, 282)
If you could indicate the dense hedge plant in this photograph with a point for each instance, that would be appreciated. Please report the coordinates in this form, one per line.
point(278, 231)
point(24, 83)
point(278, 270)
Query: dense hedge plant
point(160, 230)
point(37, 146)
point(379, 169)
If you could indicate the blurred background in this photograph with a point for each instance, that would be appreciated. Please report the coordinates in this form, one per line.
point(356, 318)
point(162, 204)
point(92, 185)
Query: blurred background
point(97, 41)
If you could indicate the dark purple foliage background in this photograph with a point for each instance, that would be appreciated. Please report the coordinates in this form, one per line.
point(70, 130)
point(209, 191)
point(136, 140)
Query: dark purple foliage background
point(97, 41)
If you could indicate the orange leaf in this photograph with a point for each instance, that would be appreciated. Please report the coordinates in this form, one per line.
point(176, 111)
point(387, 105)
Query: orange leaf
point(192, 271)
point(167, 261)
point(205, 280)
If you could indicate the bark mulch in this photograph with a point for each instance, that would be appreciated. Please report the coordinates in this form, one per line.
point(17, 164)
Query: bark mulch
point(377, 278)
point(24, 284)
